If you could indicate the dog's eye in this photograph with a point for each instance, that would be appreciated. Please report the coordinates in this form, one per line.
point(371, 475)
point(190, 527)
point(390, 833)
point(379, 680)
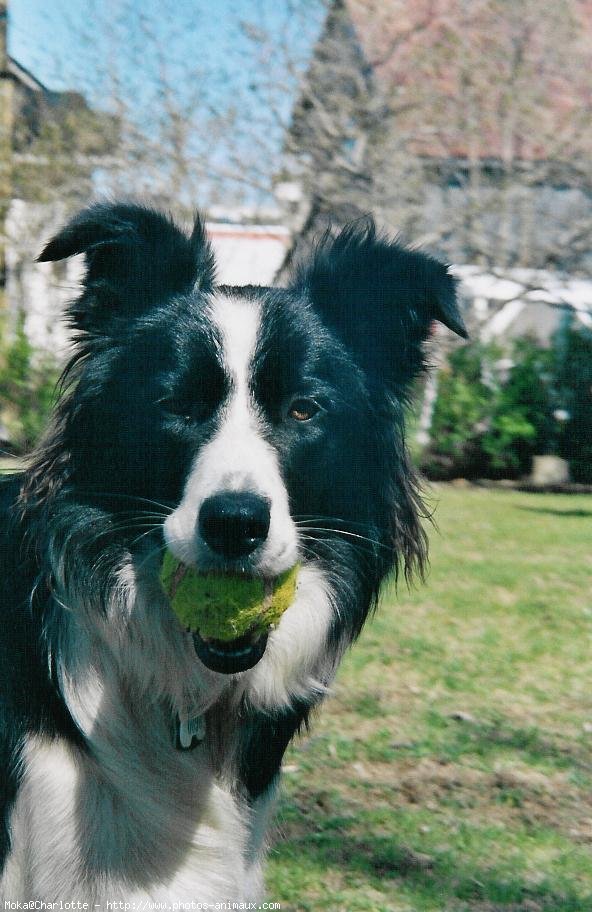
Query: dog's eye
point(303, 409)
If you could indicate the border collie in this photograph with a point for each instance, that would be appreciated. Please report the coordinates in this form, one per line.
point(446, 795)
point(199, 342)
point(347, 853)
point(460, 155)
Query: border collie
point(134, 765)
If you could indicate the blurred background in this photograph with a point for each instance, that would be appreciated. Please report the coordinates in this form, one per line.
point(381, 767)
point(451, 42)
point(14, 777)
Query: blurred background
point(463, 126)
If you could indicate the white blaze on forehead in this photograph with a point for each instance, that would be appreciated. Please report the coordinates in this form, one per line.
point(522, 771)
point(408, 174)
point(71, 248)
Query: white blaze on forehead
point(237, 458)
point(230, 461)
point(238, 321)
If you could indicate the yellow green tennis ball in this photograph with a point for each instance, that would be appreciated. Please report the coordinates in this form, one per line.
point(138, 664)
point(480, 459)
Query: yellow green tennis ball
point(224, 607)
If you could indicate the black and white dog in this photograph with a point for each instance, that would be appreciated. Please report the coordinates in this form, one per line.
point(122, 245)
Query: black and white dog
point(245, 429)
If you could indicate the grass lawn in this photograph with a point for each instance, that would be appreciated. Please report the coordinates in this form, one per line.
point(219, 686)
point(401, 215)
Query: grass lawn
point(452, 768)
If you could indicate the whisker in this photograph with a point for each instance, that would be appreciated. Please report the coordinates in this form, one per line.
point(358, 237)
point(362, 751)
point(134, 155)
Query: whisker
point(121, 521)
point(135, 497)
point(116, 529)
point(151, 554)
point(138, 512)
point(332, 549)
point(143, 535)
point(364, 538)
point(304, 518)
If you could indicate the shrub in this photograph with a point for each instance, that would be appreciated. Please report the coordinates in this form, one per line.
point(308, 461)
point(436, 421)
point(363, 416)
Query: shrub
point(28, 380)
point(486, 424)
point(522, 423)
point(573, 379)
point(461, 411)
point(489, 424)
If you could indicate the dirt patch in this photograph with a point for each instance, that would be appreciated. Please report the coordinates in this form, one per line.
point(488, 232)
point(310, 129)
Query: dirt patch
point(527, 905)
point(504, 596)
point(508, 795)
point(430, 779)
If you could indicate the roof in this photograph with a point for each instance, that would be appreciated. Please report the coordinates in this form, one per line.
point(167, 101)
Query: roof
point(248, 254)
point(523, 302)
point(21, 74)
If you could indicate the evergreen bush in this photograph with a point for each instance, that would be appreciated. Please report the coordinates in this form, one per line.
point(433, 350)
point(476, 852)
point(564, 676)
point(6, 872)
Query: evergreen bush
point(489, 421)
point(28, 380)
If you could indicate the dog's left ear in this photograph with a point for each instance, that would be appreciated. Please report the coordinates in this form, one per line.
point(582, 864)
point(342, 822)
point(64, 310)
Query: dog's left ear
point(380, 298)
point(135, 258)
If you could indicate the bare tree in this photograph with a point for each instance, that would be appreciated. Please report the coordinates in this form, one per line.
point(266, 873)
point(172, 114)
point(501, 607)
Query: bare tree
point(192, 128)
point(463, 125)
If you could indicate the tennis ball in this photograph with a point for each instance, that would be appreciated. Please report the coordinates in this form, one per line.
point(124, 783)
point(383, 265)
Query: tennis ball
point(224, 607)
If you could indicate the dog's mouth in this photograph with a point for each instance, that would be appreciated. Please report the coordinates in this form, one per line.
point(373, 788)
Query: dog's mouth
point(230, 657)
point(228, 615)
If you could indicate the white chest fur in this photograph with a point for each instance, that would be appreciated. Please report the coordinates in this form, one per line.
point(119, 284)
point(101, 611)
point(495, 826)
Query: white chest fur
point(153, 826)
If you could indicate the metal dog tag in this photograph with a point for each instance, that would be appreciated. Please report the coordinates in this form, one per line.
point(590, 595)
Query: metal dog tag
point(189, 732)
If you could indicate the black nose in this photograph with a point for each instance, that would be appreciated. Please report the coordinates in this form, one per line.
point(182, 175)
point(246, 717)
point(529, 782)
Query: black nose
point(234, 524)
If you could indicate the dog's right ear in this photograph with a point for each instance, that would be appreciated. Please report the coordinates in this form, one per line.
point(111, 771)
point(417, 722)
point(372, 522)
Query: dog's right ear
point(380, 298)
point(135, 258)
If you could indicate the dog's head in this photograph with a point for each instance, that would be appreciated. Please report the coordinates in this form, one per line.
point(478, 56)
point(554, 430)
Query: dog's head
point(252, 426)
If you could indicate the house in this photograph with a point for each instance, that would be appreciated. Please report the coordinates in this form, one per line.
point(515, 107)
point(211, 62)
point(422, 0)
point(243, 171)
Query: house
point(248, 254)
point(463, 130)
point(523, 302)
point(50, 144)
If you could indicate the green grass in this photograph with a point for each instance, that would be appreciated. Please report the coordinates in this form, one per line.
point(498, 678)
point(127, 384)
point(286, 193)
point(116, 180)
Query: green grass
point(452, 768)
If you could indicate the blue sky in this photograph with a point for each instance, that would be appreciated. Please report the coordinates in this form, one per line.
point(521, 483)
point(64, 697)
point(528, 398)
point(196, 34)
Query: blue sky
point(209, 56)
point(59, 41)
point(30, 22)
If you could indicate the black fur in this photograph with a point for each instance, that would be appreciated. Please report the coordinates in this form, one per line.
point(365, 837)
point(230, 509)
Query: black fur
point(380, 297)
point(263, 744)
point(143, 393)
point(136, 258)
